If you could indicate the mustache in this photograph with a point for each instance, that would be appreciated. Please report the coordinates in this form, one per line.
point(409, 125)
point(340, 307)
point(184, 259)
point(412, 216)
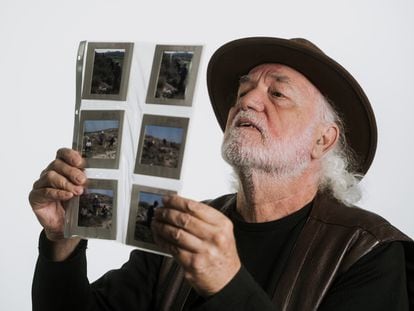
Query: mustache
point(249, 118)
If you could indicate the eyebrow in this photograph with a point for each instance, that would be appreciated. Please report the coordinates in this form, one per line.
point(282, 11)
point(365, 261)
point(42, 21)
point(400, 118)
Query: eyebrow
point(274, 76)
point(280, 78)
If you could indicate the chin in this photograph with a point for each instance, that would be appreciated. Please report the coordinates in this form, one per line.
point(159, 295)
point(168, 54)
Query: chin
point(245, 155)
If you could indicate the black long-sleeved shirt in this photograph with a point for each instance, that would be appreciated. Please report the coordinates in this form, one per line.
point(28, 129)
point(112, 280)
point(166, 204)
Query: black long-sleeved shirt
point(376, 282)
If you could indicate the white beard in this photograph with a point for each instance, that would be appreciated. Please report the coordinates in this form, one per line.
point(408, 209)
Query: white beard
point(283, 157)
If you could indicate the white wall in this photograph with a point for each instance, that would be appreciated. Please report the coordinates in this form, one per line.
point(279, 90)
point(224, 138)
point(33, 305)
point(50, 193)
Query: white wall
point(373, 39)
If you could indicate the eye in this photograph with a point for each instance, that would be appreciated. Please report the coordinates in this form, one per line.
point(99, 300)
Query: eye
point(243, 90)
point(244, 86)
point(276, 94)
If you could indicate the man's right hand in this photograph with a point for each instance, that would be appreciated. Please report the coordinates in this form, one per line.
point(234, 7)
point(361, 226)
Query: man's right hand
point(59, 182)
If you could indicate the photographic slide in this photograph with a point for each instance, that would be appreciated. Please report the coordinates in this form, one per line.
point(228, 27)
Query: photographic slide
point(107, 70)
point(101, 135)
point(161, 146)
point(144, 202)
point(173, 75)
point(95, 214)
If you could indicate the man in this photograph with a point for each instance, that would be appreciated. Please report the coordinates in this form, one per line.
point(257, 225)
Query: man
point(286, 240)
point(150, 213)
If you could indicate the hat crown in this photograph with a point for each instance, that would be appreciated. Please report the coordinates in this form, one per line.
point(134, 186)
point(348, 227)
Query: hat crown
point(307, 44)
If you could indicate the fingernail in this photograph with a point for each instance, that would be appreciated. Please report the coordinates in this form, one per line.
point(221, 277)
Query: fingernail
point(79, 190)
point(77, 161)
point(80, 179)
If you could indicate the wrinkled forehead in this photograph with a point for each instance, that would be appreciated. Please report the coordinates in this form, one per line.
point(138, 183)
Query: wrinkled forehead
point(277, 69)
point(270, 67)
point(280, 73)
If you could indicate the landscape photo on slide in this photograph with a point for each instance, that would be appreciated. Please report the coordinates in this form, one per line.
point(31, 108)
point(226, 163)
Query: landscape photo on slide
point(100, 139)
point(147, 204)
point(161, 146)
point(95, 208)
point(172, 77)
point(145, 201)
point(107, 71)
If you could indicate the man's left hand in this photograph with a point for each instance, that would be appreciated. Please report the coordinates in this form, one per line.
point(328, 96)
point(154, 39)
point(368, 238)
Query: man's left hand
point(201, 239)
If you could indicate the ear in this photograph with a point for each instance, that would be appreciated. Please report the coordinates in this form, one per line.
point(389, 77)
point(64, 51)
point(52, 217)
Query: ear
point(326, 140)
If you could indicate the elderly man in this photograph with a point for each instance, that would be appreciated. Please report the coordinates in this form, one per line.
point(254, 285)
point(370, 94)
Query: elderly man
point(300, 133)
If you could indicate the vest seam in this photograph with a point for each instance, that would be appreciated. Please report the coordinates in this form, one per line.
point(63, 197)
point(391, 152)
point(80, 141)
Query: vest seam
point(356, 227)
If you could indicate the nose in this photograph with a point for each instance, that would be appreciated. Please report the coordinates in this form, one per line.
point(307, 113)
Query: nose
point(254, 99)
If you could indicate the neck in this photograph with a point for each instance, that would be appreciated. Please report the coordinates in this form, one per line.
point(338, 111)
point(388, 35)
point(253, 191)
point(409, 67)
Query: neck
point(265, 197)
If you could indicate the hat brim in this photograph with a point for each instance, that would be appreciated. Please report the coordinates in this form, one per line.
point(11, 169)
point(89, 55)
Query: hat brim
point(237, 58)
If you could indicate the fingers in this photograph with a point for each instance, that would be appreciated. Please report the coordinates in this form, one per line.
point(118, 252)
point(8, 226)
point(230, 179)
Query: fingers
point(199, 210)
point(39, 197)
point(184, 221)
point(64, 173)
point(188, 259)
point(61, 176)
point(201, 239)
point(190, 226)
point(60, 181)
point(174, 239)
point(52, 179)
point(71, 157)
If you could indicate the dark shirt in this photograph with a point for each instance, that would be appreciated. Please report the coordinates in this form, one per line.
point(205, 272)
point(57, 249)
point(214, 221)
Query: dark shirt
point(375, 282)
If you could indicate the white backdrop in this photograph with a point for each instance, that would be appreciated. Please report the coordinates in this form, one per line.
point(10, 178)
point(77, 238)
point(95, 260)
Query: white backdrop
point(373, 39)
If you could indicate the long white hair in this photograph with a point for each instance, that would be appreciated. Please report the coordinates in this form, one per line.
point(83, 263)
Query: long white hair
point(338, 176)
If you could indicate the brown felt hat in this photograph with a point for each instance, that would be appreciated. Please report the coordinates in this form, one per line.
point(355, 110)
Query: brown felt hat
point(238, 57)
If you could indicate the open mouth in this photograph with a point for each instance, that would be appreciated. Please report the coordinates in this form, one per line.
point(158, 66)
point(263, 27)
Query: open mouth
point(243, 122)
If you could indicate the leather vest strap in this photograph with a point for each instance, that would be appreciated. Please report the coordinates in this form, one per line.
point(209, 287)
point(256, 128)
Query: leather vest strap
point(167, 285)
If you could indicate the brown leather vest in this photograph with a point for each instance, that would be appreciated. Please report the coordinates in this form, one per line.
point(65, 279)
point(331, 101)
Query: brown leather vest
point(333, 239)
